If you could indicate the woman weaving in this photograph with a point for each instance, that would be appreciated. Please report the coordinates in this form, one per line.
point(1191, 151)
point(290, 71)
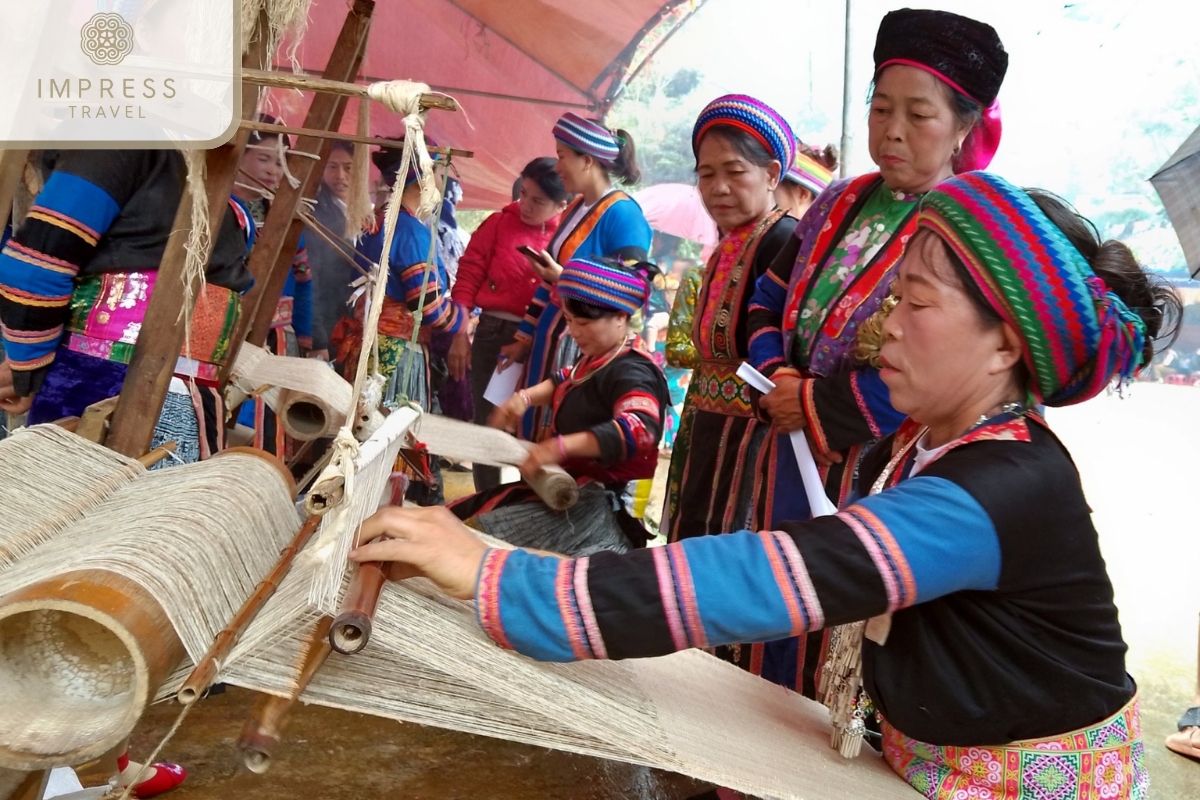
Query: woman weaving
point(606, 417)
point(1004, 668)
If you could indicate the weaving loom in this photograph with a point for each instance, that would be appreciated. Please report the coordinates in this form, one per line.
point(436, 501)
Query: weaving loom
point(428, 662)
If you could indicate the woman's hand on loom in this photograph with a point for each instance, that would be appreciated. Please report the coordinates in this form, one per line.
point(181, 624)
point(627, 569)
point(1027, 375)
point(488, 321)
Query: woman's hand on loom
point(783, 403)
point(507, 415)
point(430, 542)
point(548, 451)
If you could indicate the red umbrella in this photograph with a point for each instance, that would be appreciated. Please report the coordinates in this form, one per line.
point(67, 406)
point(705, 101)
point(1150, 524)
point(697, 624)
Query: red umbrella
point(676, 208)
point(514, 66)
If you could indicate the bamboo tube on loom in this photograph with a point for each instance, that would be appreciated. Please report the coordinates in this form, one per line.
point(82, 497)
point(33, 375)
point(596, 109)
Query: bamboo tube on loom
point(264, 727)
point(104, 645)
point(351, 628)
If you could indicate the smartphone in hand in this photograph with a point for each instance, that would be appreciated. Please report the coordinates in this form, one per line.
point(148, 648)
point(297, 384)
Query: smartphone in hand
point(526, 250)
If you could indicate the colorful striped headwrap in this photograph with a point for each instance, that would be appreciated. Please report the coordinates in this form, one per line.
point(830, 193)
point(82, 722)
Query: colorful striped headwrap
point(602, 284)
point(752, 116)
point(1078, 335)
point(809, 173)
point(588, 137)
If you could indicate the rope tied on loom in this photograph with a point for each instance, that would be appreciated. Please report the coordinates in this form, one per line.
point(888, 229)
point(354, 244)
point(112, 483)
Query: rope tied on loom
point(402, 97)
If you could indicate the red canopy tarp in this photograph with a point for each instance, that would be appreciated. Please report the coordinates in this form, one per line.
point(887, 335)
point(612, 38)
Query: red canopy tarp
point(514, 66)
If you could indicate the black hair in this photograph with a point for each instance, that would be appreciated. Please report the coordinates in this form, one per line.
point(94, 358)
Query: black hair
point(826, 156)
point(743, 143)
point(580, 308)
point(625, 168)
point(541, 171)
point(1146, 294)
point(339, 144)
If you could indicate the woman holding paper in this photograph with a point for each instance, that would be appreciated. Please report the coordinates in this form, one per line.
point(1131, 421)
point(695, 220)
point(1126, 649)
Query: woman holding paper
point(932, 113)
point(606, 416)
point(742, 148)
point(1004, 669)
point(496, 278)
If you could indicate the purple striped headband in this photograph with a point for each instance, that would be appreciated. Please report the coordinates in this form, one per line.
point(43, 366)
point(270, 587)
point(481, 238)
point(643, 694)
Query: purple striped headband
point(588, 137)
point(603, 284)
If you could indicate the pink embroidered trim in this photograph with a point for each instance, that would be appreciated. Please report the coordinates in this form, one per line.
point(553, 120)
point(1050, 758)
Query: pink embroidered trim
point(687, 594)
point(861, 402)
point(808, 592)
point(783, 583)
point(865, 537)
point(563, 589)
point(583, 599)
point(666, 590)
point(813, 424)
point(487, 596)
point(903, 571)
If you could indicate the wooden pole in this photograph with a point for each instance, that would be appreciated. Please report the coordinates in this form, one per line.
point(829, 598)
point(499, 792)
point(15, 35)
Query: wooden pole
point(845, 96)
point(315, 83)
point(161, 337)
point(207, 667)
point(264, 727)
point(272, 255)
point(270, 127)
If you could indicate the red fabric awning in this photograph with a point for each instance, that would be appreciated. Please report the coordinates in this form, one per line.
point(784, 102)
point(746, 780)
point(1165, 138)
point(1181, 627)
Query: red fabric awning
point(514, 66)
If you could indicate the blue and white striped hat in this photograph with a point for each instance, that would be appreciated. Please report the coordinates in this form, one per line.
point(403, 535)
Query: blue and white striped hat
point(588, 137)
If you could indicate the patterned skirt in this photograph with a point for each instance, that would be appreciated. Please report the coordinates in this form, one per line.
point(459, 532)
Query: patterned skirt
point(1105, 761)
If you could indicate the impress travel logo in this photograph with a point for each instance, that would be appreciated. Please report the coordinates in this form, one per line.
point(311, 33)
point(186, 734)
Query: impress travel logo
point(106, 38)
point(120, 73)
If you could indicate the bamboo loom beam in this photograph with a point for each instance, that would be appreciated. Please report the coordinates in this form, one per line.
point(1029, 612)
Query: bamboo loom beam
point(205, 672)
point(270, 127)
point(264, 727)
point(157, 350)
point(316, 83)
point(351, 629)
point(272, 255)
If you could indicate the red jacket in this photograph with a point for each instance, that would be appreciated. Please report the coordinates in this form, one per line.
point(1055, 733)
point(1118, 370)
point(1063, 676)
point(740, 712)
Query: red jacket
point(492, 275)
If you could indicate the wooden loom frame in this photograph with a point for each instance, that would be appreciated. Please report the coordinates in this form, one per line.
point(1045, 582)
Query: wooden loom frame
point(145, 387)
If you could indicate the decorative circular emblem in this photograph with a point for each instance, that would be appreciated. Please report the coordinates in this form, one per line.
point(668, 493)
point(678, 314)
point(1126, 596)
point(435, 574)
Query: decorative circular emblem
point(106, 38)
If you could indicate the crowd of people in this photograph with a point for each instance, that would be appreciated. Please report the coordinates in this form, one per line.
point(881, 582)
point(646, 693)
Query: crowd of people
point(915, 321)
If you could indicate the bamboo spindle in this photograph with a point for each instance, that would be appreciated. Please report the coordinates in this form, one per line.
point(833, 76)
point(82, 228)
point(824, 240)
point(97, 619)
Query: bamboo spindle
point(209, 665)
point(351, 629)
point(264, 727)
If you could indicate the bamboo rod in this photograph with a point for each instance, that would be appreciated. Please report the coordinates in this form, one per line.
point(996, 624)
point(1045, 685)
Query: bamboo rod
point(157, 454)
point(270, 127)
point(316, 83)
point(351, 629)
point(264, 727)
point(207, 667)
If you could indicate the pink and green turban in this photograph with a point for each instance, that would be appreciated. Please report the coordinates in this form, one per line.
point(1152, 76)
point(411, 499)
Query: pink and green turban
point(1078, 335)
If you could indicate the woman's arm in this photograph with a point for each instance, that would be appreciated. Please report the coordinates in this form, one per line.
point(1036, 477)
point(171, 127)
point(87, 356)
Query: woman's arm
point(885, 553)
